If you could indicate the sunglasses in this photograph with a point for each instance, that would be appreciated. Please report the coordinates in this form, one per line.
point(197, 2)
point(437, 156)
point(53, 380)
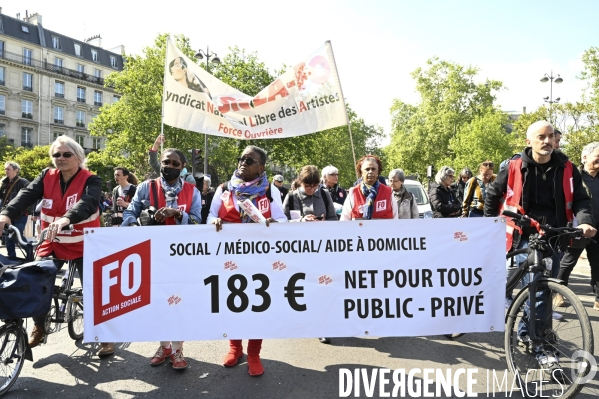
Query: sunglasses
point(174, 164)
point(64, 155)
point(248, 161)
point(488, 164)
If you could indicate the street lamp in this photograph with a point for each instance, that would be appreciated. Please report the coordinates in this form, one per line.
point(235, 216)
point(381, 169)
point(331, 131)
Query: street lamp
point(549, 99)
point(215, 60)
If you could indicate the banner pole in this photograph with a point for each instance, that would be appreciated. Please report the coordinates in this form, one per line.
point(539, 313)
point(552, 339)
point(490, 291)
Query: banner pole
point(351, 139)
point(168, 38)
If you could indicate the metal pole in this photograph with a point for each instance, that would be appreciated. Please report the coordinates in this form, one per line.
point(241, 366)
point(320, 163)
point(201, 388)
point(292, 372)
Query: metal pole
point(205, 134)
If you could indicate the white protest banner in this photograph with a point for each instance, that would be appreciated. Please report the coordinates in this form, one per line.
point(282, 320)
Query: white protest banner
point(294, 280)
point(306, 99)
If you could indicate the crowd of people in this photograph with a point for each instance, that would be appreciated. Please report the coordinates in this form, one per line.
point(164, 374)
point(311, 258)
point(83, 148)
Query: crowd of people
point(69, 194)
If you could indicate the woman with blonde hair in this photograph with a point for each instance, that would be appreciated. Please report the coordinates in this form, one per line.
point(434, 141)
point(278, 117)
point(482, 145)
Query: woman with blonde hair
point(476, 190)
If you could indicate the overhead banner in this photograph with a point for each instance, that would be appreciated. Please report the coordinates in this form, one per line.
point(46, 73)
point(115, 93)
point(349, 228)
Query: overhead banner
point(294, 280)
point(306, 99)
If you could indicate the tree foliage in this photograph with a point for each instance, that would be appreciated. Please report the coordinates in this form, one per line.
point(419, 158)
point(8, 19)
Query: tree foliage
point(31, 160)
point(436, 131)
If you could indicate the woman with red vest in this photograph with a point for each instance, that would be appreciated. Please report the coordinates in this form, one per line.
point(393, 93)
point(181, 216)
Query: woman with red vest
point(369, 199)
point(177, 202)
point(70, 194)
point(249, 182)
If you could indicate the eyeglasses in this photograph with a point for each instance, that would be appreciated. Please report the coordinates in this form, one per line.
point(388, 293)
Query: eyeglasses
point(310, 186)
point(488, 164)
point(64, 155)
point(333, 174)
point(247, 160)
point(450, 176)
point(174, 164)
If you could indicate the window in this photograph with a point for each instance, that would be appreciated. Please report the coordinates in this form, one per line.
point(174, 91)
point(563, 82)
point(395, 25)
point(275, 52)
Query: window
point(25, 28)
point(2, 105)
point(27, 81)
point(80, 94)
point(27, 109)
point(113, 61)
point(115, 98)
point(58, 62)
point(59, 89)
point(56, 42)
point(26, 136)
point(80, 118)
point(58, 114)
point(77, 50)
point(2, 72)
point(2, 132)
point(98, 98)
point(80, 139)
point(95, 55)
point(1, 48)
point(81, 68)
point(26, 56)
point(97, 73)
point(55, 134)
point(96, 143)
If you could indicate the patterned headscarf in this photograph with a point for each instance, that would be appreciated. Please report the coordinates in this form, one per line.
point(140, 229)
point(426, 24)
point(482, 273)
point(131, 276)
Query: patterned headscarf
point(370, 193)
point(171, 192)
point(248, 190)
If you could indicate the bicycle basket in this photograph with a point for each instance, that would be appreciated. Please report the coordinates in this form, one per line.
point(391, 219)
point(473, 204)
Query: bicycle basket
point(26, 290)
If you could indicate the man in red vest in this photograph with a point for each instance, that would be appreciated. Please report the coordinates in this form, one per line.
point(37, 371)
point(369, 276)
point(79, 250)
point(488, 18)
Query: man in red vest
point(544, 185)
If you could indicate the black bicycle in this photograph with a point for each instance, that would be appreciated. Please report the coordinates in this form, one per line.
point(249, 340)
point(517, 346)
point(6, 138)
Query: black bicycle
point(556, 345)
point(66, 307)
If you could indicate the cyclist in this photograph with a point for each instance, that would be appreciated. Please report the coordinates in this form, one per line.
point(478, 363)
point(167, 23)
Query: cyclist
point(70, 194)
point(544, 184)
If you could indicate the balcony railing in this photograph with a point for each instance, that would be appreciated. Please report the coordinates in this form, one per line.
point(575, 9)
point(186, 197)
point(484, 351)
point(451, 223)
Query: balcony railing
point(28, 88)
point(80, 100)
point(1, 82)
point(80, 124)
point(27, 115)
point(61, 121)
point(19, 58)
point(59, 95)
point(98, 103)
point(1, 112)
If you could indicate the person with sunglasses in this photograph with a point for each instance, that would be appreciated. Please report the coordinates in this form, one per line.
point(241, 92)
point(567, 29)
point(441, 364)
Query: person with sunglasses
point(459, 186)
point(475, 194)
point(249, 182)
point(444, 202)
point(70, 195)
point(177, 202)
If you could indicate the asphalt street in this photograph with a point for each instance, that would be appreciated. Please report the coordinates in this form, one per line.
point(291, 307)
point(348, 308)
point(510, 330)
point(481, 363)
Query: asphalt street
point(295, 368)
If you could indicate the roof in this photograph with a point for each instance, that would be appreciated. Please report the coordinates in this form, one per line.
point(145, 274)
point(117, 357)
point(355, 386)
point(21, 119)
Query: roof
point(42, 37)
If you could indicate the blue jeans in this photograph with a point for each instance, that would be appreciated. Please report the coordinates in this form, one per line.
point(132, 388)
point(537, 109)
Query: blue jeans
point(10, 243)
point(543, 320)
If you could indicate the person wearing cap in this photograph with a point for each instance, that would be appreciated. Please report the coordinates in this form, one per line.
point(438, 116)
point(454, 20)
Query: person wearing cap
point(278, 183)
point(203, 185)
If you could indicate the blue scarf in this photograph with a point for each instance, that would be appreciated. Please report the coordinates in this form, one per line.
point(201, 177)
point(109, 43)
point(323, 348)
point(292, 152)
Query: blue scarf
point(370, 193)
point(249, 190)
point(170, 192)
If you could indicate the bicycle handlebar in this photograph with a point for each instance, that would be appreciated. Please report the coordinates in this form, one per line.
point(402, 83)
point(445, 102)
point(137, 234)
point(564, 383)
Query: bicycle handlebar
point(34, 244)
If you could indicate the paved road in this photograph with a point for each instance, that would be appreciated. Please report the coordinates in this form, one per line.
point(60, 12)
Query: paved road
point(297, 368)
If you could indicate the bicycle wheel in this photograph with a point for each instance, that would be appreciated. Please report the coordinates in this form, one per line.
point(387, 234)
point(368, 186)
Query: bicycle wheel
point(12, 348)
point(75, 325)
point(563, 341)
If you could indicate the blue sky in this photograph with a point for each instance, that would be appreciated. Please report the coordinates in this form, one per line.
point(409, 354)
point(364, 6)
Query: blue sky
point(376, 43)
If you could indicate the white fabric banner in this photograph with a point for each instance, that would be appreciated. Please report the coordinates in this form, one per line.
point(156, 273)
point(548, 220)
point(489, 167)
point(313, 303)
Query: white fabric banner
point(324, 279)
point(306, 99)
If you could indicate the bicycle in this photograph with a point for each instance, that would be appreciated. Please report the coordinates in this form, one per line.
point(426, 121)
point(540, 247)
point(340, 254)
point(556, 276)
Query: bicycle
point(67, 306)
point(537, 345)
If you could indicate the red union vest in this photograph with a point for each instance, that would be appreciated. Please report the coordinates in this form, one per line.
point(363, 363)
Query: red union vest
point(55, 205)
point(184, 198)
point(513, 196)
point(228, 213)
point(383, 208)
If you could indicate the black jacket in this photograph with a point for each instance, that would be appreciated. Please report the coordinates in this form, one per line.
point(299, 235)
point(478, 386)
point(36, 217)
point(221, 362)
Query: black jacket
point(458, 188)
point(542, 191)
point(18, 185)
point(444, 202)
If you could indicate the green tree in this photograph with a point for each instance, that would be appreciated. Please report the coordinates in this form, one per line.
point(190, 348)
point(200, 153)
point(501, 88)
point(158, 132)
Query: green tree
point(31, 160)
point(450, 101)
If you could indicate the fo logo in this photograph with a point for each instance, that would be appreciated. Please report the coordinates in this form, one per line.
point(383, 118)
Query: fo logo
point(122, 282)
point(263, 205)
point(381, 205)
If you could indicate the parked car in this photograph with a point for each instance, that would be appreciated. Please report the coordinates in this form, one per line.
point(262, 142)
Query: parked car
point(421, 197)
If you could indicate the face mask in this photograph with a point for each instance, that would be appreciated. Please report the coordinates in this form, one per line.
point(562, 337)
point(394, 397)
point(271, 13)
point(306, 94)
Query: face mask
point(183, 172)
point(169, 174)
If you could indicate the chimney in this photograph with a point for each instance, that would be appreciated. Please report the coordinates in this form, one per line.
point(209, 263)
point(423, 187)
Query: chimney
point(523, 110)
point(35, 19)
point(95, 41)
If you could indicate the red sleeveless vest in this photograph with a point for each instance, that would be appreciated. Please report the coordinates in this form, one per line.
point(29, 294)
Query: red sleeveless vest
point(383, 208)
point(228, 213)
point(55, 205)
point(184, 199)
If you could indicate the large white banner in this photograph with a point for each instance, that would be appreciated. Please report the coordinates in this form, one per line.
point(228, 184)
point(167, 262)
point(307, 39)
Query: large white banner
point(294, 280)
point(305, 99)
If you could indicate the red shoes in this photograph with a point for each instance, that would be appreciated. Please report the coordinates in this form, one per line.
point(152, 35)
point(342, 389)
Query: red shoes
point(160, 356)
point(235, 353)
point(178, 361)
point(255, 367)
